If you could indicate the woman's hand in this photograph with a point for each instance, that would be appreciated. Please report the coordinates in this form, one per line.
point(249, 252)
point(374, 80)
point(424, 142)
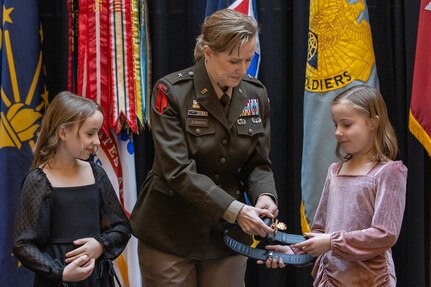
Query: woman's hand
point(249, 219)
point(79, 269)
point(276, 262)
point(266, 202)
point(318, 243)
point(90, 247)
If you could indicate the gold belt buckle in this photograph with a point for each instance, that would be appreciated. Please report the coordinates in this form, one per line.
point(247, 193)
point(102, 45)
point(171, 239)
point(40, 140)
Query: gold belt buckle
point(277, 225)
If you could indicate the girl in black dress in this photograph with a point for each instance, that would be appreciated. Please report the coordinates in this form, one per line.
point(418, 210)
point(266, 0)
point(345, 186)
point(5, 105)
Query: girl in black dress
point(70, 224)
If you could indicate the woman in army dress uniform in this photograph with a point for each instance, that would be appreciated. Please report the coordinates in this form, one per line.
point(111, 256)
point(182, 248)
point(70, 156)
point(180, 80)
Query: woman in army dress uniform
point(209, 150)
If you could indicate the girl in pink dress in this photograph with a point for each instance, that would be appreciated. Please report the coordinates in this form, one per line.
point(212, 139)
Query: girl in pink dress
point(360, 212)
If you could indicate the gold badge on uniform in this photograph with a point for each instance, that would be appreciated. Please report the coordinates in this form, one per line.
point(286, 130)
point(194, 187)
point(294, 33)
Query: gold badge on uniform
point(196, 105)
point(204, 91)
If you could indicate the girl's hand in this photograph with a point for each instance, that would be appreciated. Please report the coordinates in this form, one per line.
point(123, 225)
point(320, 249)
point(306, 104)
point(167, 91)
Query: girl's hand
point(90, 247)
point(79, 269)
point(318, 243)
point(276, 262)
point(249, 219)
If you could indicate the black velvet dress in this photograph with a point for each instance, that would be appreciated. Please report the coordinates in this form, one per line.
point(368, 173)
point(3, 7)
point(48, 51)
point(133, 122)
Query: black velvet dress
point(50, 219)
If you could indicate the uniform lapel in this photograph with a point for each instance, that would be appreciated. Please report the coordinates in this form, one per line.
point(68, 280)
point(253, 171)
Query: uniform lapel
point(206, 95)
point(237, 104)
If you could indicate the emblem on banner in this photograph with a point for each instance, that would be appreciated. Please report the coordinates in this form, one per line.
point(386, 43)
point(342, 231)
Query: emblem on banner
point(338, 51)
point(20, 121)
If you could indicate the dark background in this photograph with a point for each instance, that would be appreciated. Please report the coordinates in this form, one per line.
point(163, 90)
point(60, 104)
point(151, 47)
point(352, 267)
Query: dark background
point(174, 25)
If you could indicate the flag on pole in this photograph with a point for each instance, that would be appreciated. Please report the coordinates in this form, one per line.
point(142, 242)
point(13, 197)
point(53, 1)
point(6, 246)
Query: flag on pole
point(105, 59)
point(93, 53)
point(420, 105)
point(112, 69)
point(123, 57)
point(340, 55)
point(116, 156)
point(144, 68)
point(23, 101)
point(247, 7)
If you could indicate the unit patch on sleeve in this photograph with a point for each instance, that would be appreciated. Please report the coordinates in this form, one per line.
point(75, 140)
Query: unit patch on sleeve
point(161, 100)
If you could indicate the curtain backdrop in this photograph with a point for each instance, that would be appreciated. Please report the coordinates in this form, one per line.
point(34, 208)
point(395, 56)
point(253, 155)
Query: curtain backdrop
point(174, 25)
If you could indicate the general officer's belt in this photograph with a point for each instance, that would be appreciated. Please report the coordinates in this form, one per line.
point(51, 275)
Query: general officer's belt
point(276, 237)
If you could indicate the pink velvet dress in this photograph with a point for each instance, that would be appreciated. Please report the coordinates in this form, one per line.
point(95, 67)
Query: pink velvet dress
point(363, 215)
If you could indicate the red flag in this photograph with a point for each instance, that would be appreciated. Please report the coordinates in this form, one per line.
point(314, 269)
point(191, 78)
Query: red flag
point(420, 105)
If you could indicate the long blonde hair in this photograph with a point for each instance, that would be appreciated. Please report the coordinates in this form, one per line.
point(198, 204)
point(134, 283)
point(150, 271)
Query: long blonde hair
point(65, 110)
point(225, 30)
point(370, 102)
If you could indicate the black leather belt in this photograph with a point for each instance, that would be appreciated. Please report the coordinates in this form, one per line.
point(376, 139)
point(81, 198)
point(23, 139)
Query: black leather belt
point(276, 238)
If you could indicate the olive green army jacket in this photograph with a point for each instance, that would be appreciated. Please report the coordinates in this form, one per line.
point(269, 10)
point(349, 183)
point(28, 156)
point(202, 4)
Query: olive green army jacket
point(203, 161)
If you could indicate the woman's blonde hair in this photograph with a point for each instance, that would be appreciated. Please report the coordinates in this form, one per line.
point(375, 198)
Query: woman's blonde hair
point(370, 102)
point(65, 110)
point(225, 30)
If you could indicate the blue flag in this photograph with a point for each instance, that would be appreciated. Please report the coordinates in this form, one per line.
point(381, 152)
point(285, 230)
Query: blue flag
point(247, 7)
point(23, 100)
point(340, 56)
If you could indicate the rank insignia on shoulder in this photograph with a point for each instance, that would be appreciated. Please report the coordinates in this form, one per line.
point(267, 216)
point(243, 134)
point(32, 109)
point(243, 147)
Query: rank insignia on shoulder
point(251, 108)
point(196, 105)
point(197, 113)
point(204, 91)
point(180, 75)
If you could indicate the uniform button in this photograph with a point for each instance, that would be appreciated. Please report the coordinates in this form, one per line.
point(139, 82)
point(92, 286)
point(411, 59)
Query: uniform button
point(238, 192)
point(216, 176)
point(198, 131)
point(250, 131)
point(224, 141)
point(222, 160)
point(190, 73)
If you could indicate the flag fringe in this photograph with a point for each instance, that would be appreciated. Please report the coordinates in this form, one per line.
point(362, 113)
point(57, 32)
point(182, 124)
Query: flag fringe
point(420, 134)
point(305, 227)
point(124, 270)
